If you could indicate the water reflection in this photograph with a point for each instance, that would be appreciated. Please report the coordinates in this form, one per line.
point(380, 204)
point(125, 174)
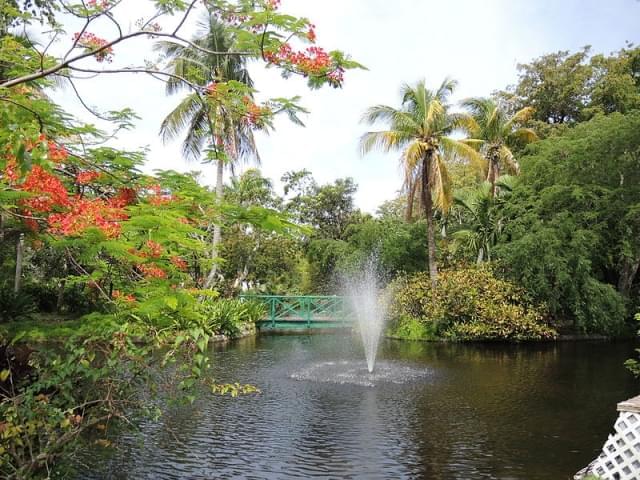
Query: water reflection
point(475, 411)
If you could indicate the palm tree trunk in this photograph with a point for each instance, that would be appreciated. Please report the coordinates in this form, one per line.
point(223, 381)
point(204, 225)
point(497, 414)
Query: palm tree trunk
point(427, 201)
point(217, 229)
point(492, 175)
point(410, 199)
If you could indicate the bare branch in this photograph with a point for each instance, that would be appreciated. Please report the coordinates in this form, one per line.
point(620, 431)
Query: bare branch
point(148, 71)
point(184, 17)
point(89, 53)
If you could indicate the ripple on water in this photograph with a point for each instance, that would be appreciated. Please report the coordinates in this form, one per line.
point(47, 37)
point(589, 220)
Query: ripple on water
point(347, 372)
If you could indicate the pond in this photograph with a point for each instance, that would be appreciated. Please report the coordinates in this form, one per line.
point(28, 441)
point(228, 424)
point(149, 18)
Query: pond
point(430, 410)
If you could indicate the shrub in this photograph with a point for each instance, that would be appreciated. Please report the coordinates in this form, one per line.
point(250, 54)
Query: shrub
point(409, 328)
point(15, 306)
point(228, 315)
point(469, 303)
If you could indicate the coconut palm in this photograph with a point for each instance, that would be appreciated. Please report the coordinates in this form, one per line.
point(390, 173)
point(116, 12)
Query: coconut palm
point(208, 128)
point(420, 129)
point(495, 133)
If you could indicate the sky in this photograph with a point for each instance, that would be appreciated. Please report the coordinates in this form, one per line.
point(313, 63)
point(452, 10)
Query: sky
point(478, 43)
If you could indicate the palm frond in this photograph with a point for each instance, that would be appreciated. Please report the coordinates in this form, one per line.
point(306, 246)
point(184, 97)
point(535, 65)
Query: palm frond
point(520, 117)
point(441, 183)
point(180, 117)
point(508, 161)
point(386, 141)
point(454, 148)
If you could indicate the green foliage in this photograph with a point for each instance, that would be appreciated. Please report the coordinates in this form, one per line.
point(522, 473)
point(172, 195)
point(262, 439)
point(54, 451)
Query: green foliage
point(566, 88)
point(15, 306)
point(227, 316)
point(469, 303)
point(410, 328)
point(328, 208)
point(571, 235)
point(633, 364)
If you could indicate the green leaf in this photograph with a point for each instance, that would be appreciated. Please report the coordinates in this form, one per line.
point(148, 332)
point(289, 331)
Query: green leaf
point(171, 302)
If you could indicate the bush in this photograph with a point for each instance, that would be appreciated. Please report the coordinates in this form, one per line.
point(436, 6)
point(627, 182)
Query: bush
point(409, 328)
point(228, 315)
point(15, 306)
point(469, 303)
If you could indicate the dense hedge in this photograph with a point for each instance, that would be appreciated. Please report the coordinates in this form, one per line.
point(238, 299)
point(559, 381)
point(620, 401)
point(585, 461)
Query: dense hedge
point(469, 303)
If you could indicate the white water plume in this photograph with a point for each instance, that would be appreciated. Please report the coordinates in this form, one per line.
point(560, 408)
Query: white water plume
point(368, 303)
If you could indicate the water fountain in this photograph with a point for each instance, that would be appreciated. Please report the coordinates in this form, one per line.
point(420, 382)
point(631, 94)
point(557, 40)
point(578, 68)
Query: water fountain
point(368, 303)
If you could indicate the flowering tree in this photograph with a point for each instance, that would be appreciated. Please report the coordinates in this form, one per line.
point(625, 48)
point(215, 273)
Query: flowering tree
point(132, 246)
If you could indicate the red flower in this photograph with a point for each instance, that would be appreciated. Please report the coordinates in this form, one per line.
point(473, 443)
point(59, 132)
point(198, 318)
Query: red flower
point(49, 190)
point(124, 197)
point(311, 34)
point(155, 249)
point(179, 263)
point(152, 271)
point(91, 42)
point(57, 154)
point(118, 295)
point(87, 176)
point(85, 214)
point(10, 170)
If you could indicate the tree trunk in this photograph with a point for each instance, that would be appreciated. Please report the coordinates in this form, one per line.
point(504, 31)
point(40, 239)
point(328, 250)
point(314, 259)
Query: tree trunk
point(492, 175)
point(217, 228)
point(410, 198)
point(427, 201)
point(19, 256)
point(627, 275)
point(480, 255)
point(61, 286)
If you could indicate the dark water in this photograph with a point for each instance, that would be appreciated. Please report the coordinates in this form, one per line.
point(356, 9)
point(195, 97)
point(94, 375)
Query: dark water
point(430, 411)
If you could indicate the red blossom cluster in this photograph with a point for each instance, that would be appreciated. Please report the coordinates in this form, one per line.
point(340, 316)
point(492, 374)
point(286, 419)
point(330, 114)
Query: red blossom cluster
point(125, 196)
point(255, 114)
point(57, 153)
point(179, 263)
point(11, 170)
point(118, 295)
point(152, 271)
point(85, 214)
point(99, 4)
point(92, 42)
point(273, 4)
point(48, 189)
point(154, 249)
point(86, 177)
point(312, 61)
point(311, 33)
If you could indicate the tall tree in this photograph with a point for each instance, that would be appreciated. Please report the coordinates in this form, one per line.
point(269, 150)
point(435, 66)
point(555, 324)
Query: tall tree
point(496, 133)
point(556, 85)
point(421, 130)
point(210, 127)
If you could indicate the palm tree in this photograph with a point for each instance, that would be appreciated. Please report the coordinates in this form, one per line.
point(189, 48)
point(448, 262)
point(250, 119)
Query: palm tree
point(421, 130)
point(209, 128)
point(495, 133)
point(483, 219)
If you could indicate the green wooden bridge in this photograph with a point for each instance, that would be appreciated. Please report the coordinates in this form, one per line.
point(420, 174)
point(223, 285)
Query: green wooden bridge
point(303, 312)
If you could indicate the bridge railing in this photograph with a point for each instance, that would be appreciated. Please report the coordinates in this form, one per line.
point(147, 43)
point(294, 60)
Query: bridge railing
point(304, 309)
